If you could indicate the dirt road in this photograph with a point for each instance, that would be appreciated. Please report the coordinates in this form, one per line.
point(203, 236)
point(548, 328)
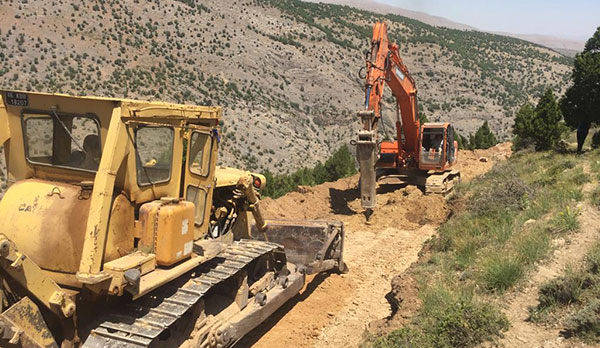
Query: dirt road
point(334, 310)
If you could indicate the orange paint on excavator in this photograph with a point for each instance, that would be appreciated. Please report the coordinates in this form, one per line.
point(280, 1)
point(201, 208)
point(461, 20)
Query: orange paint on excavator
point(421, 154)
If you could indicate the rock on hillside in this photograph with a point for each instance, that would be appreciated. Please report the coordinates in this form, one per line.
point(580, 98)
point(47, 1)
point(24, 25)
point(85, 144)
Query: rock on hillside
point(284, 70)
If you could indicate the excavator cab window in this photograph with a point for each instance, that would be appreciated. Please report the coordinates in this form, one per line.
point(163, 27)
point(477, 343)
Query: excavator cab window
point(450, 147)
point(432, 145)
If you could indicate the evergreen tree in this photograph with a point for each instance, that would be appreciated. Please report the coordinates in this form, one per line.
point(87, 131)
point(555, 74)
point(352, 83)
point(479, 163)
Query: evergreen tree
point(547, 128)
point(463, 142)
point(581, 103)
point(483, 138)
point(340, 165)
point(523, 127)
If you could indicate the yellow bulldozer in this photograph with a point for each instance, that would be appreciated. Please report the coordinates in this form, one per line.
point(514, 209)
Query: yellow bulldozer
point(118, 229)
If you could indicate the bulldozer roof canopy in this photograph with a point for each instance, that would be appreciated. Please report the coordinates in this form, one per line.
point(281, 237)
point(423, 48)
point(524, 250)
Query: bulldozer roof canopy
point(130, 107)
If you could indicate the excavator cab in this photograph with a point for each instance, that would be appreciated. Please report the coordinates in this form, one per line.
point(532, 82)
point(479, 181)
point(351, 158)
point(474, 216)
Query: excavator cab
point(438, 148)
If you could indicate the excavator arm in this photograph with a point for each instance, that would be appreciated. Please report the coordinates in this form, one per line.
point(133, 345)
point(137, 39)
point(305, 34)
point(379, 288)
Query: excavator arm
point(384, 66)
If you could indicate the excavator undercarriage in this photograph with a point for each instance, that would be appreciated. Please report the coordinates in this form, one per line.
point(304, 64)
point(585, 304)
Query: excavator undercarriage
point(442, 183)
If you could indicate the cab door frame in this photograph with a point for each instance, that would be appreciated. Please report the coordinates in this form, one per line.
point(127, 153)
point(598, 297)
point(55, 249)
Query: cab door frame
point(203, 181)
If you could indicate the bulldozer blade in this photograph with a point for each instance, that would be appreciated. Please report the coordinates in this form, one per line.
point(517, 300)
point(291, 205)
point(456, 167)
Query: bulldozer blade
point(22, 325)
point(313, 246)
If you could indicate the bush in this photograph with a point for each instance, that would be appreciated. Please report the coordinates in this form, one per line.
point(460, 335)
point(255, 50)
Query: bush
point(564, 290)
point(593, 259)
point(448, 320)
point(506, 191)
point(586, 322)
point(457, 320)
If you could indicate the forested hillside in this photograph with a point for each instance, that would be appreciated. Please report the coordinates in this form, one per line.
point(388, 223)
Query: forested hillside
point(285, 71)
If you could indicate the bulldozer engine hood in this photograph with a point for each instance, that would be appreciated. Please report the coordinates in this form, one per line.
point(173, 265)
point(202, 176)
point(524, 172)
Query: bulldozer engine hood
point(47, 221)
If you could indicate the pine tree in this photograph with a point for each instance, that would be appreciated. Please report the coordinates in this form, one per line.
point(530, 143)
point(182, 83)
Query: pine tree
point(547, 128)
point(340, 165)
point(463, 142)
point(523, 127)
point(581, 103)
point(483, 138)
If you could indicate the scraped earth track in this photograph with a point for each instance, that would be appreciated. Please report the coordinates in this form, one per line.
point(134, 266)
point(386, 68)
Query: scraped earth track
point(333, 310)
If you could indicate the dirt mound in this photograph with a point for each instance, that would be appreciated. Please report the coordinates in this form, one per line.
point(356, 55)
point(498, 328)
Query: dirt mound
point(313, 203)
point(477, 162)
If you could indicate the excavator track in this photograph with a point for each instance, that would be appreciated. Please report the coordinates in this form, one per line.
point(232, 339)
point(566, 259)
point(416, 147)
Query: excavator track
point(442, 183)
point(141, 322)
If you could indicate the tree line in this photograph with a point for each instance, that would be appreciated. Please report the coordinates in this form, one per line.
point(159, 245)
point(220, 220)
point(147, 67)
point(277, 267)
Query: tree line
point(340, 165)
point(543, 125)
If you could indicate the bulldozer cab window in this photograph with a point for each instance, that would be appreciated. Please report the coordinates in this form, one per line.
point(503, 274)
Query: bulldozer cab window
point(200, 153)
point(197, 196)
point(154, 147)
point(62, 140)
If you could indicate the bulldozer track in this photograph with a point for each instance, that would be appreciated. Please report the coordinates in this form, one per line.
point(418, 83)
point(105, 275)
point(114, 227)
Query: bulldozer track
point(141, 323)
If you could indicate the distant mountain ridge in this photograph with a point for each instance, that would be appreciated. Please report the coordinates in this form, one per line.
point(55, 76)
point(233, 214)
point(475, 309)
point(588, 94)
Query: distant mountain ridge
point(563, 45)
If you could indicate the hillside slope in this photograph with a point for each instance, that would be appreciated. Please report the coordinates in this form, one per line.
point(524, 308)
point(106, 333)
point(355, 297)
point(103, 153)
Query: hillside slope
point(285, 71)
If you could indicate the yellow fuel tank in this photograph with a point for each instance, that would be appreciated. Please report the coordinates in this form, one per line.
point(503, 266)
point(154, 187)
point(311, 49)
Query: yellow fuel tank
point(167, 229)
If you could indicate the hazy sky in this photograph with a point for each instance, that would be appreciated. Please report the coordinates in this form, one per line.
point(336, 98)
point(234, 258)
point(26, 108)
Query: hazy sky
point(574, 19)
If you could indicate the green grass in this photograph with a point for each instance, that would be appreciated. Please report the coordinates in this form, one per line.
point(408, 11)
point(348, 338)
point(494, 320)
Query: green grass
point(565, 221)
point(502, 228)
point(595, 197)
point(533, 246)
point(448, 319)
point(501, 272)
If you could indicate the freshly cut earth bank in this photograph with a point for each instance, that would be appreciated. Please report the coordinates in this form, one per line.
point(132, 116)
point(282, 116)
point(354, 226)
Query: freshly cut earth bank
point(334, 310)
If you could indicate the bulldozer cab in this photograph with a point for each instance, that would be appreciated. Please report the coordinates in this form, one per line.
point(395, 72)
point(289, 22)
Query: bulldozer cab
point(438, 149)
point(99, 160)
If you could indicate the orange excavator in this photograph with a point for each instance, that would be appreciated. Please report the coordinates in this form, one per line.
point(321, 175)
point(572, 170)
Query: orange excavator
point(422, 155)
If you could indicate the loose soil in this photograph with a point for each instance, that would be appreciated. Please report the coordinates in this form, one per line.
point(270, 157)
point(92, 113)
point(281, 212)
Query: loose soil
point(334, 310)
